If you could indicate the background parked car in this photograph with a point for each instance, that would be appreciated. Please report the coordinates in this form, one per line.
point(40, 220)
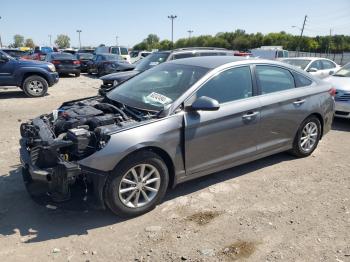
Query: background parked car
point(157, 58)
point(270, 52)
point(86, 50)
point(341, 81)
point(16, 53)
point(84, 59)
point(137, 55)
point(65, 63)
point(117, 50)
point(33, 77)
point(103, 64)
point(320, 67)
point(69, 50)
point(40, 52)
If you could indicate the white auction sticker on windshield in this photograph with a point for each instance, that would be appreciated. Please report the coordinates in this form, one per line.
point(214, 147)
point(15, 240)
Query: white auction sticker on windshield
point(159, 98)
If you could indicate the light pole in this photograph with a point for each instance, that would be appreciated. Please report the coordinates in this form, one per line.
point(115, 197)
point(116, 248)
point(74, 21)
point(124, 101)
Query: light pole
point(189, 33)
point(50, 36)
point(172, 17)
point(0, 38)
point(301, 34)
point(116, 40)
point(79, 31)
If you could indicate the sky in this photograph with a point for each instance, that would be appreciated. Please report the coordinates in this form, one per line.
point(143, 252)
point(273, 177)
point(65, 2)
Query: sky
point(101, 21)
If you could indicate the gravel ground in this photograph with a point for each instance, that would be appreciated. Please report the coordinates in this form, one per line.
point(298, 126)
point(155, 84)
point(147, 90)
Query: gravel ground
point(276, 209)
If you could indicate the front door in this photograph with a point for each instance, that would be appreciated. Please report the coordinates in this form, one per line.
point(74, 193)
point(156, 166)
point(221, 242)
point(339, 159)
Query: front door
point(6, 70)
point(216, 139)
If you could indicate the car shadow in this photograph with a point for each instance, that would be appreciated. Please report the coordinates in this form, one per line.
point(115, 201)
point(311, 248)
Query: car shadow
point(14, 94)
point(341, 124)
point(40, 220)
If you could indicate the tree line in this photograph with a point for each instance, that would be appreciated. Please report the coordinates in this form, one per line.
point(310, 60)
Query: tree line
point(242, 41)
point(62, 41)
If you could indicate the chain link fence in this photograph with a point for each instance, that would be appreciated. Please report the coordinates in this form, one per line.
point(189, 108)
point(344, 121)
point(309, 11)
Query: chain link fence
point(340, 58)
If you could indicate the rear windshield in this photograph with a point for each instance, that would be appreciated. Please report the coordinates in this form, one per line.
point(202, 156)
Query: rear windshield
point(85, 56)
point(152, 60)
point(301, 63)
point(62, 56)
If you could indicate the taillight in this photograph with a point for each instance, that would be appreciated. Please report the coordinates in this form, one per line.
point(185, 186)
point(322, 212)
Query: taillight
point(332, 91)
point(56, 62)
point(76, 62)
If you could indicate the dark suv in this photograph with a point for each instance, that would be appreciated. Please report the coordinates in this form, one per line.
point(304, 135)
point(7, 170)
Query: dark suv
point(157, 58)
point(33, 77)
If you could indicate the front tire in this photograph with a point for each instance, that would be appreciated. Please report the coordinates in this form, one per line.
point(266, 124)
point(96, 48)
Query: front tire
point(137, 184)
point(307, 137)
point(35, 86)
point(77, 74)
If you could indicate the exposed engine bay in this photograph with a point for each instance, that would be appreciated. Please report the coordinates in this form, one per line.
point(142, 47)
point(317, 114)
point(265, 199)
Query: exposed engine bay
point(52, 144)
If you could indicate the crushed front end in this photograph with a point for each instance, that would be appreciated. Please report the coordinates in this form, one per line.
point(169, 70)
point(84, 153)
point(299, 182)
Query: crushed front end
point(52, 144)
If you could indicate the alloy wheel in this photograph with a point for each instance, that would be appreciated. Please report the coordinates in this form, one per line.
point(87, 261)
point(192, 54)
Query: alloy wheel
point(139, 185)
point(35, 87)
point(309, 136)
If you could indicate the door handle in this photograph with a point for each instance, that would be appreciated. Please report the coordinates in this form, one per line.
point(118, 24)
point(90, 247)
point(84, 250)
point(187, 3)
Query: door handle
point(299, 102)
point(250, 115)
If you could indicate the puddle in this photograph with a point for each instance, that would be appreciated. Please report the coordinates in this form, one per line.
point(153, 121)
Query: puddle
point(239, 249)
point(203, 218)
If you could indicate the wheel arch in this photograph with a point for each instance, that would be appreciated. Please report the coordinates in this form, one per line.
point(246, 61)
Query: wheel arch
point(162, 154)
point(28, 74)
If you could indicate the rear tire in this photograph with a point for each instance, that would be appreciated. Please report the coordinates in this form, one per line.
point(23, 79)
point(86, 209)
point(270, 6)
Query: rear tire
point(77, 74)
point(129, 191)
point(35, 86)
point(307, 137)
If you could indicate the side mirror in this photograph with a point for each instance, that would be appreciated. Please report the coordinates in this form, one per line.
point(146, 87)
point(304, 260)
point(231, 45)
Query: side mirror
point(331, 72)
point(205, 103)
point(312, 70)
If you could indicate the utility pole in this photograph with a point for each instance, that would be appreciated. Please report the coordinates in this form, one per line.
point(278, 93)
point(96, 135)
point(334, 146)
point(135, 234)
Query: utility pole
point(50, 39)
point(116, 40)
point(172, 17)
point(189, 33)
point(79, 31)
point(301, 35)
point(0, 39)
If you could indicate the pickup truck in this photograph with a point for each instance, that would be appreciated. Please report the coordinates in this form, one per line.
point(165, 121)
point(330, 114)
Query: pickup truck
point(33, 77)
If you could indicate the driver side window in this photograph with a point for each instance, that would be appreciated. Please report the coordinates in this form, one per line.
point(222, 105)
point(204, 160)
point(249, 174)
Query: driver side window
point(229, 85)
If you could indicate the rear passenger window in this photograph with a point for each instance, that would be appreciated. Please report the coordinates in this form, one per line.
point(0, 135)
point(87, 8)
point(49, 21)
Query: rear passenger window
point(184, 55)
point(301, 80)
point(274, 79)
point(230, 85)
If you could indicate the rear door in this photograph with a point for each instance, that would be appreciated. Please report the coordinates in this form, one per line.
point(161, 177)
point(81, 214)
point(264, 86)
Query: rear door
point(215, 139)
point(283, 106)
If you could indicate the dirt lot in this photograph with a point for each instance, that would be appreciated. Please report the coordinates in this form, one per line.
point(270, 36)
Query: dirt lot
point(275, 209)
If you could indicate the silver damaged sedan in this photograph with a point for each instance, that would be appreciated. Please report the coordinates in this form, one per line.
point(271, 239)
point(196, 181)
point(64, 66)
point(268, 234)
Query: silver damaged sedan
point(177, 121)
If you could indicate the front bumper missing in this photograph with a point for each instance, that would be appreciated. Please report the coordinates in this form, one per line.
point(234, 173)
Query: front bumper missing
point(57, 181)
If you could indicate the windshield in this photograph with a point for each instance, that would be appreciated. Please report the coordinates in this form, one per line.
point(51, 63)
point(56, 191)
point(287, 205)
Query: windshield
point(151, 60)
point(344, 71)
point(62, 56)
point(301, 63)
point(123, 51)
point(157, 87)
point(85, 56)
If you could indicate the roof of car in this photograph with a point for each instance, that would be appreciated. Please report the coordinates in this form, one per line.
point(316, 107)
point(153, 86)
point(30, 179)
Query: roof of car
point(209, 61)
